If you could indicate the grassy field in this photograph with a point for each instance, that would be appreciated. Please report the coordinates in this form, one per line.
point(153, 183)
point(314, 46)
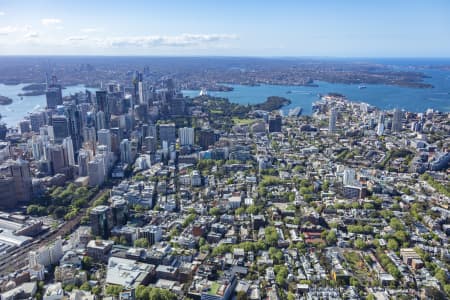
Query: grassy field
point(239, 121)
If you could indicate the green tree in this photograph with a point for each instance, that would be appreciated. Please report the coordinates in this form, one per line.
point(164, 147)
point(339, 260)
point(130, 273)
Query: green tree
point(331, 237)
point(392, 244)
point(141, 243)
point(86, 262)
point(85, 286)
point(113, 290)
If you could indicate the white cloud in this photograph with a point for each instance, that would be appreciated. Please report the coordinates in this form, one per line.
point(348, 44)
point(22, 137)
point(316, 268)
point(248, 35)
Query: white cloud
point(90, 30)
point(50, 21)
point(31, 35)
point(183, 40)
point(2, 13)
point(8, 30)
point(77, 38)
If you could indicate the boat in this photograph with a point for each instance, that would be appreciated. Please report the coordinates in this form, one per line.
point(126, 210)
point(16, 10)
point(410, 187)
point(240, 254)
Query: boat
point(203, 92)
point(362, 87)
point(289, 92)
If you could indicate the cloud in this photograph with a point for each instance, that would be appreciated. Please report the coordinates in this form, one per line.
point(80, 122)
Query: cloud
point(8, 30)
point(77, 38)
point(50, 21)
point(31, 35)
point(90, 30)
point(183, 40)
point(2, 13)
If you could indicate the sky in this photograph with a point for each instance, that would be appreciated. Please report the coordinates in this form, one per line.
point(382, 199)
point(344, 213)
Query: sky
point(323, 28)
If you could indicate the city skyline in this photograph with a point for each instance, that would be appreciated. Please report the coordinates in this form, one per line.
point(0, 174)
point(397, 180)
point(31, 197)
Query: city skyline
point(202, 28)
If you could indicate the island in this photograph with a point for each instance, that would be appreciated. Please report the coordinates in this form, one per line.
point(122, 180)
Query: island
point(272, 103)
point(5, 100)
point(34, 89)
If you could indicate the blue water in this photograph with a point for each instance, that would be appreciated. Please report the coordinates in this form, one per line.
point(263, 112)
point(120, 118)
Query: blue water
point(379, 95)
point(12, 114)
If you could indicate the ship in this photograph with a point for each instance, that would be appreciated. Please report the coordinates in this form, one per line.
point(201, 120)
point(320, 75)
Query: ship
point(295, 112)
point(362, 87)
point(203, 92)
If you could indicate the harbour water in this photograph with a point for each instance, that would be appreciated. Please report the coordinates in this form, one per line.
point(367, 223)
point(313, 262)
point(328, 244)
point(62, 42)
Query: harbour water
point(22, 106)
point(379, 95)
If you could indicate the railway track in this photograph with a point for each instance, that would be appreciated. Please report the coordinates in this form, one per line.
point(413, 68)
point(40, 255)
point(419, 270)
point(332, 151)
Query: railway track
point(18, 258)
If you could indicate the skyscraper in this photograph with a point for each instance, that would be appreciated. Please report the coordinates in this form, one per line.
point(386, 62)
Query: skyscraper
point(104, 138)
point(167, 133)
point(332, 121)
point(380, 126)
point(69, 151)
point(102, 105)
point(397, 120)
point(101, 221)
point(16, 177)
point(126, 155)
point(37, 119)
point(275, 123)
point(186, 135)
point(53, 96)
point(60, 128)
point(83, 159)
point(206, 138)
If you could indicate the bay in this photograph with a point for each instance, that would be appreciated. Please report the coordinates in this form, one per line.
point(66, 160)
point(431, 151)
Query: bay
point(20, 107)
point(380, 95)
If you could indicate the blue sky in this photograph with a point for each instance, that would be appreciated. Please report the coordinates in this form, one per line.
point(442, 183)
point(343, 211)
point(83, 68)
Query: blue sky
point(338, 28)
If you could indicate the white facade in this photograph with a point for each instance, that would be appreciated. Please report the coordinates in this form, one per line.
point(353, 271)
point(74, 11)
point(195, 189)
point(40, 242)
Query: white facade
point(186, 136)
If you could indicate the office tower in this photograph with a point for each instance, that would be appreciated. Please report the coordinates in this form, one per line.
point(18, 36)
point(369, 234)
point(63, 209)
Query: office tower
point(24, 126)
point(69, 151)
point(75, 125)
point(53, 96)
point(60, 128)
point(332, 121)
point(37, 120)
point(167, 133)
point(152, 130)
point(102, 105)
point(89, 134)
point(397, 120)
point(141, 94)
point(96, 171)
point(126, 155)
point(275, 123)
point(104, 138)
point(141, 112)
point(206, 138)
point(83, 159)
point(177, 106)
point(16, 183)
point(47, 133)
point(119, 210)
point(380, 126)
point(151, 144)
point(186, 135)
point(58, 159)
point(100, 120)
point(101, 221)
point(37, 147)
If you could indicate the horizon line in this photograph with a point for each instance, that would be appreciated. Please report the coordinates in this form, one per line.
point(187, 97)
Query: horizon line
point(224, 56)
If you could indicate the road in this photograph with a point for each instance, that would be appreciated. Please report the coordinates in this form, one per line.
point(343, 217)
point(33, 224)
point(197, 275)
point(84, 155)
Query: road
point(18, 258)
